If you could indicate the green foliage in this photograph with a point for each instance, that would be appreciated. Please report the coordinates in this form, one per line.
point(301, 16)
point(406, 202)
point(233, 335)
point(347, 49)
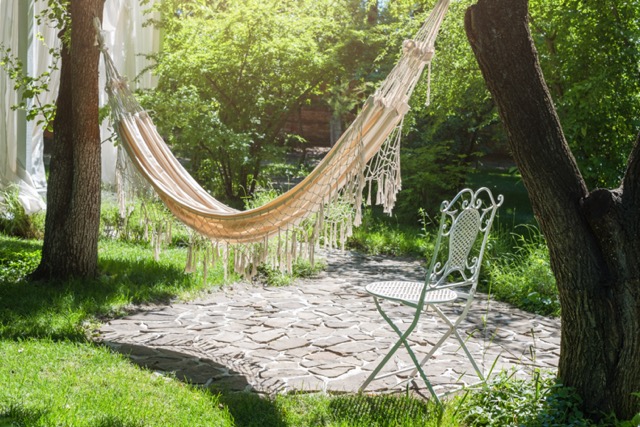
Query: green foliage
point(18, 257)
point(590, 52)
point(301, 269)
point(380, 235)
point(508, 401)
point(30, 87)
point(443, 140)
point(14, 221)
point(430, 173)
point(145, 221)
point(521, 275)
point(250, 65)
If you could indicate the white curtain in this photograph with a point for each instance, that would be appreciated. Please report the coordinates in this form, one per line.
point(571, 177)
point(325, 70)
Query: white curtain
point(20, 152)
point(21, 143)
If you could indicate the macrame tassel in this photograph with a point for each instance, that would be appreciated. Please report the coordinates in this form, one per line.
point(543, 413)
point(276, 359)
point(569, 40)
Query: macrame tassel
point(225, 261)
point(189, 267)
point(288, 268)
point(156, 243)
point(215, 256)
point(205, 265)
point(120, 183)
point(294, 245)
point(280, 261)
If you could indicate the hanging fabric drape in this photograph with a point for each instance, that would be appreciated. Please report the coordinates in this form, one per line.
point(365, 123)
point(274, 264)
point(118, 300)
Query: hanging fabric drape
point(338, 181)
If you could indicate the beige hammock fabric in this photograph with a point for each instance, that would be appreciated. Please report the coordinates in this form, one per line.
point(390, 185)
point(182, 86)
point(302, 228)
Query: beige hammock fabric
point(338, 181)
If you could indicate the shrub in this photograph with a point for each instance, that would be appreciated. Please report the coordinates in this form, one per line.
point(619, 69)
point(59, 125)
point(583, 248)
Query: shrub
point(522, 276)
point(508, 401)
point(14, 221)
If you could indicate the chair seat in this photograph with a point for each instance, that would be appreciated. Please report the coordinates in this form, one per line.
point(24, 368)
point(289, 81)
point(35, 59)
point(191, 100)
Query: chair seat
point(409, 292)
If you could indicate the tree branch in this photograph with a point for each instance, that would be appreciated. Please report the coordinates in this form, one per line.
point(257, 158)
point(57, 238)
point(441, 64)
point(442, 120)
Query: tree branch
point(499, 35)
point(631, 180)
point(230, 101)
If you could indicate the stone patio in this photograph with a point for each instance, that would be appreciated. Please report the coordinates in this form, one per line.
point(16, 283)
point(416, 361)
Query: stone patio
point(324, 334)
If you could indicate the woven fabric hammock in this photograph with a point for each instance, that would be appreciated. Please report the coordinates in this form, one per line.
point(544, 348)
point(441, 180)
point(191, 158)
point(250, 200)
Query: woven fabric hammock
point(340, 179)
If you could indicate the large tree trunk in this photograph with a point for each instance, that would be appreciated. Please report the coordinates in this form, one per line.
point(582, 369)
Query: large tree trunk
point(592, 237)
point(70, 246)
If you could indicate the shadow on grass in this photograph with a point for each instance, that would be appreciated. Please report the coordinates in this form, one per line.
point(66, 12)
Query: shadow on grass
point(18, 416)
point(380, 410)
point(247, 409)
point(252, 410)
point(14, 245)
point(62, 310)
point(111, 421)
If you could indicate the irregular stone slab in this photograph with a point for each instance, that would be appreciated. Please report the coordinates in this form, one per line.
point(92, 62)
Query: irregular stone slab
point(350, 348)
point(329, 341)
point(281, 323)
point(331, 370)
point(283, 373)
point(288, 343)
point(228, 337)
point(268, 336)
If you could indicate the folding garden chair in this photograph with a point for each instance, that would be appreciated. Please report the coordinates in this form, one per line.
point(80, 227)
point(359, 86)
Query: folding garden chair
point(462, 237)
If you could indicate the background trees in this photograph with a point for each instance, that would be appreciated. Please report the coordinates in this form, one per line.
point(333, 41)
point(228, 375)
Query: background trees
point(231, 74)
point(589, 53)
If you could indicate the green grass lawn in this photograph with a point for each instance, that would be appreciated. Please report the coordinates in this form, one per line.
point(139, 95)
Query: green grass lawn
point(47, 383)
point(52, 374)
point(78, 384)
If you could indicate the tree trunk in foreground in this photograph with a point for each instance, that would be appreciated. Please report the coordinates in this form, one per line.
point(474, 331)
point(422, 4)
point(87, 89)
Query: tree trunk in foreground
point(72, 222)
point(593, 237)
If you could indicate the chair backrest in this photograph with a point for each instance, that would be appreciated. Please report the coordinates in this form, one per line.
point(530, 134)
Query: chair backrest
point(465, 223)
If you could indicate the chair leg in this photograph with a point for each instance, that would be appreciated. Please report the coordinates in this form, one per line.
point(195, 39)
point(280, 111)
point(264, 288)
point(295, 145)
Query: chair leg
point(469, 356)
point(452, 330)
point(401, 341)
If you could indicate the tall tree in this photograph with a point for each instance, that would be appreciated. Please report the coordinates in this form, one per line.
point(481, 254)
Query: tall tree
point(72, 222)
point(592, 235)
point(243, 67)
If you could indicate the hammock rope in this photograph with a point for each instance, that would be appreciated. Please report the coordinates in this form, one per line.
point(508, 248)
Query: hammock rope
point(329, 199)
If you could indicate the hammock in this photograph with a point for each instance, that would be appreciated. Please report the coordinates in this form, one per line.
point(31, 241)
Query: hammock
point(339, 179)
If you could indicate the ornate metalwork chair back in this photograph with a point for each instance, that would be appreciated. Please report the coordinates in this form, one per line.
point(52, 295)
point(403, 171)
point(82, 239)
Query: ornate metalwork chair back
point(464, 230)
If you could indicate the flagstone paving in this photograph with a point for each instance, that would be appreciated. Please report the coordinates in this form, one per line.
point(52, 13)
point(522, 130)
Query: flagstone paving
point(324, 334)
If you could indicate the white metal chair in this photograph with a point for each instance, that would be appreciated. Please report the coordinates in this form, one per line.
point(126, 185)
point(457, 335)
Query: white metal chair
point(464, 229)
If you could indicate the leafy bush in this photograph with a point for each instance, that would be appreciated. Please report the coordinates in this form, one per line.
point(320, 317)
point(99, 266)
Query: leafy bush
point(379, 236)
point(301, 268)
point(17, 258)
point(14, 221)
point(508, 401)
point(145, 221)
point(522, 276)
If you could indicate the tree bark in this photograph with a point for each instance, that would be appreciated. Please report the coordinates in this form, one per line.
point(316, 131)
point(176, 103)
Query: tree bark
point(592, 237)
point(70, 247)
